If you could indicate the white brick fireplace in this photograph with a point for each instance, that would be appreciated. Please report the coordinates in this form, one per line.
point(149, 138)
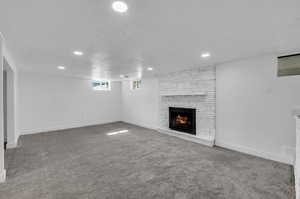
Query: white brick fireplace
point(196, 89)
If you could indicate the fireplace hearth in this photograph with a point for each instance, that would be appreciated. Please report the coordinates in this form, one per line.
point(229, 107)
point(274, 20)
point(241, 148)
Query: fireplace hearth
point(182, 119)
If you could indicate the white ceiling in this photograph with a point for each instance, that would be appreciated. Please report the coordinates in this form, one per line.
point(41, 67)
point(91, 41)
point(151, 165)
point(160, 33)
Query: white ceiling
point(167, 35)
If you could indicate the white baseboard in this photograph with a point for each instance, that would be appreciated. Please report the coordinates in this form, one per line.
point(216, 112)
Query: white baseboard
point(144, 126)
point(177, 134)
point(61, 127)
point(265, 155)
point(2, 176)
point(12, 145)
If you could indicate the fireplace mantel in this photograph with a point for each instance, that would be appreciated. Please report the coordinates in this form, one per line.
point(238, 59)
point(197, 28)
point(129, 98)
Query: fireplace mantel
point(183, 94)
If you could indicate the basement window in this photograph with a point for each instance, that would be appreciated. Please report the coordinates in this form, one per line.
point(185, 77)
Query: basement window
point(101, 85)
point(289, 65)
point(136, 84)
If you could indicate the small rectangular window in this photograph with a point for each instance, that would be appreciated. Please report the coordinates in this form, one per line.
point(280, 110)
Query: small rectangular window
point(289, 65)
point(136, 84)
point(101, 85)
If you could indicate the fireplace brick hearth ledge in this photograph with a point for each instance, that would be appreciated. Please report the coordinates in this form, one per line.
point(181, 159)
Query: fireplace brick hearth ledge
point(197, 139)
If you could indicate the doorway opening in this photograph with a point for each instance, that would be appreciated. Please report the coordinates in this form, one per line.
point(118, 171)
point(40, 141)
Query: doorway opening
point(8, 106)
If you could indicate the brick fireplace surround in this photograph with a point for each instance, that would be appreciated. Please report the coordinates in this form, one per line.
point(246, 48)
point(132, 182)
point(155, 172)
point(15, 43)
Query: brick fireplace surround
point(195, 88)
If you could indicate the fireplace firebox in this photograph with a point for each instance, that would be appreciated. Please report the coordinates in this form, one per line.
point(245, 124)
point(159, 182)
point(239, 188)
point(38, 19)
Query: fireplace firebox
point(182, 119)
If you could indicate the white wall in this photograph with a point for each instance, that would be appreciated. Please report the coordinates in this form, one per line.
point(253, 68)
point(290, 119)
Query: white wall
point(140, 106)
point(297, 162)
point(2, 170)
point(12, 136)
point(12, 89)
point(254, 108)
point(48, 102)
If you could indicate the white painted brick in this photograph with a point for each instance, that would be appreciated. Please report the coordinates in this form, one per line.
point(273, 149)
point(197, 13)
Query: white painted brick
point(195, 80)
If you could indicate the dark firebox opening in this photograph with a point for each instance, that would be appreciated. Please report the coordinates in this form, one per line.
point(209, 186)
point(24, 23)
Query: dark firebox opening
point(182, 119)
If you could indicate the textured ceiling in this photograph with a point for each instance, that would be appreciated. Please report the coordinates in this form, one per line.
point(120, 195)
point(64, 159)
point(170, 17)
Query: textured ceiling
point(167, 35)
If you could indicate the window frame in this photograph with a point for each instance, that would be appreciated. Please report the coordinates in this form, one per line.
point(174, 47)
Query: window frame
point(104, 85)
point(136, 84)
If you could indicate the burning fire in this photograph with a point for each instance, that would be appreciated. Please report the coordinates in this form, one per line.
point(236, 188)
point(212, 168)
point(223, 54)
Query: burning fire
point(182, 119)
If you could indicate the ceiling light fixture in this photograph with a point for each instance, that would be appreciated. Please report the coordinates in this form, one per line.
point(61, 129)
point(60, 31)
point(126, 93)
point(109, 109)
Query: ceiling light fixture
point(61, 67)
point(149, 68)
point(205, 55)
point(122, 76)
point(119, 6)
point(78, 53)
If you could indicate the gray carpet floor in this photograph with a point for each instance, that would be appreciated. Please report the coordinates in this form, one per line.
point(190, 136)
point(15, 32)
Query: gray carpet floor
point(86, 163)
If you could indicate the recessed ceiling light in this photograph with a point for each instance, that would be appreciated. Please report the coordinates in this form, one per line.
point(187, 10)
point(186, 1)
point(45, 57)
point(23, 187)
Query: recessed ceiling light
point(78, 53)
point(149, 68)
point(120, 6)
point(61, 67)
point(205, 55)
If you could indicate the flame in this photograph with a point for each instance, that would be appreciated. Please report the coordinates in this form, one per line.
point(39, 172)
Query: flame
point(182, 119)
